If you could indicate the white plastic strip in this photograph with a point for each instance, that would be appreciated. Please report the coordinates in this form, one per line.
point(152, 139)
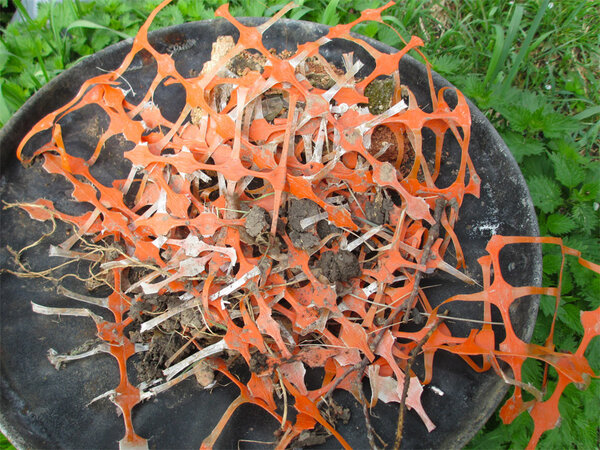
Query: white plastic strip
point(213, 349)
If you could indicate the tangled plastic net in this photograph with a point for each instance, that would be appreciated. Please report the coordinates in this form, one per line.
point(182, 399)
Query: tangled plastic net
point(286, 217)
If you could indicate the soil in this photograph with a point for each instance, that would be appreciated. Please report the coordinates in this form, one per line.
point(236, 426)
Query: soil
point(285, 54)
point(318, 76)
point(380, 93)
point(383, 136)
point(162, 347)
point(298, 210)
point(340, 266)
point(324, 229)
point(309, 438)
point(257, 221)
point(273, 106)
point(408, 159)
point(334, 412)
point(258, 363)
point(304, 241)
point(247, 61)
point(378, 211)
point(191, 319)
point(205, 374)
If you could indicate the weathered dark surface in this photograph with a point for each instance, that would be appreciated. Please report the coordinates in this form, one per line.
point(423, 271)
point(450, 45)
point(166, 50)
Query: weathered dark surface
point(44, 408)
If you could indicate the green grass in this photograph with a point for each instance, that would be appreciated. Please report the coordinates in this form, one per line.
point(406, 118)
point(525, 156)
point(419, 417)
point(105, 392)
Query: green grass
point(533, 69)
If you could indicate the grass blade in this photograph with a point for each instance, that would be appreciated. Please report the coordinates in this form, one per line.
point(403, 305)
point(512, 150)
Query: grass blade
point(94, 26)
point(589, 112)
point(22, 10)
point(524, 50)
point(513, 28)
point(329, 16)
point(493, 67)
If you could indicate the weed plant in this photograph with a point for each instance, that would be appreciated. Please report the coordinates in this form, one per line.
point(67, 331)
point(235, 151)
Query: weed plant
point(533, 68)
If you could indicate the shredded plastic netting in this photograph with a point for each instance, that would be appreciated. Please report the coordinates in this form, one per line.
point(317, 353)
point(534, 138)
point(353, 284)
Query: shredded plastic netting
point(291, 220)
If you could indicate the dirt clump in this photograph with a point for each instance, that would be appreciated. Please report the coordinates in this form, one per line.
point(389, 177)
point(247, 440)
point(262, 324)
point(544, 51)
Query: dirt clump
point(273, 106)
point(297, 211)
point(257, 221)
point(258, 363)
point(408, 159)
point(204, 373)
point(334, 412)
point(324, 229)
point(384, 145)
point(378, 210)
point(247, 61)
point(304, 240)
point(191, 319)
point(309, 438)
point(317, 75)
point(162, 347)
point(340, 266)
point(380, 93)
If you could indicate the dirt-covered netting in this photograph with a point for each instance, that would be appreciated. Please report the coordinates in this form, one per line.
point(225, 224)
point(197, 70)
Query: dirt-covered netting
point(285, 219)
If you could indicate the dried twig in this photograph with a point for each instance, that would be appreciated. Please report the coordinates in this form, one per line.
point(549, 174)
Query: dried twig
point(413, 355)
point(360, 367)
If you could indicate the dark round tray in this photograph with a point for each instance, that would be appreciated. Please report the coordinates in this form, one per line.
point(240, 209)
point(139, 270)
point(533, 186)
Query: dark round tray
point(45, 408)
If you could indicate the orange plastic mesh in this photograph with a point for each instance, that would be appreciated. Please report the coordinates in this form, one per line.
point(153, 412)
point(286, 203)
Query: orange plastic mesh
point(319, 150)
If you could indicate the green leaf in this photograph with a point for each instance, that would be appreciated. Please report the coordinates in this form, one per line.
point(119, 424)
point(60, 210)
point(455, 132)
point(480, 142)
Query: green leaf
point(531, 101)
point(569, 173)
point(91, 25)
point(569, 315)
point(5, 111)
point(4, 54)
point(532, 371)
point(446, 64)
point(587, 245)
point(547, 305)
point(593, 356)
point(589, 112)
point(567, 147)
point(585, 216)
point(494, 66)
point(588, 191)
point(298, 13)
point(545, 193)
point(567, 283)
point(521, 146)
point(255, 8)
point(329, 16)
point(584, 277)
point(555, 125)
point(559, 224)
point(565, 339)
point(525, 45)
point(472, 85)
point(513, 28)
point(552, 264)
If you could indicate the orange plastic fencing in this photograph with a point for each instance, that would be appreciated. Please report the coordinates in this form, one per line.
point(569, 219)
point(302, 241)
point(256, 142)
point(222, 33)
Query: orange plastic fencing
point(319, 148)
